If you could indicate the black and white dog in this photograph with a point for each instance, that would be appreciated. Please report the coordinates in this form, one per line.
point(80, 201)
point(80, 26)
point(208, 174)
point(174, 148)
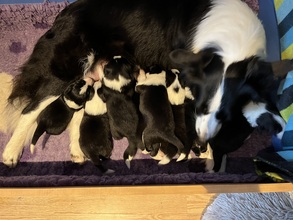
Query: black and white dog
point(55, 118)
point(147, 30)
point(118, 93)
point(95, 136)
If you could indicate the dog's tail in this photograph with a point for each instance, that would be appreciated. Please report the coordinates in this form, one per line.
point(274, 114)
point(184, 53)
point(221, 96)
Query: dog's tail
point(9, 112)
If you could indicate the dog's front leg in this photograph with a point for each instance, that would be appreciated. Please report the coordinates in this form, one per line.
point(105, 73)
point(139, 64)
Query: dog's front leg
point(76, 153)
point(23, 133)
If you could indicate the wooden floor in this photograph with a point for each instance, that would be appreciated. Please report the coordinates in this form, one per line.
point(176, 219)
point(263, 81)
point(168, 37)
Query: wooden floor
point(137, 202)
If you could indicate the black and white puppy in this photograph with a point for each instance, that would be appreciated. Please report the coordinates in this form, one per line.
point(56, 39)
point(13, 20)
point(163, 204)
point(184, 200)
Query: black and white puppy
point(55, 118)
point(157, 113)
point(177, 95)
point(95, 136)
point(118, 92)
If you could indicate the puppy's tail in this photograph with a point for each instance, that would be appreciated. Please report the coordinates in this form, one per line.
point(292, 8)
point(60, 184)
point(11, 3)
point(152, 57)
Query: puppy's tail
point(150, 138)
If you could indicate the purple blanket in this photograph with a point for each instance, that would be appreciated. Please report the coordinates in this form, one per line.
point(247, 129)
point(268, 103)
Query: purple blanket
point(50, 165)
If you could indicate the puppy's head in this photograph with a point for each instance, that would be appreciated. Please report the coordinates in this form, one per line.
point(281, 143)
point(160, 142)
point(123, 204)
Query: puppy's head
point(203, 74)
point(119, 72)
point(177, 92)
point(76, 94)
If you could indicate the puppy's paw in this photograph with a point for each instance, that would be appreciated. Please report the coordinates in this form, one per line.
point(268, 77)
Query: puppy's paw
point(127, 161)
point(165, 160)
point(109, 172)
point(160, 155)
point(181, 157)
point(11, 157)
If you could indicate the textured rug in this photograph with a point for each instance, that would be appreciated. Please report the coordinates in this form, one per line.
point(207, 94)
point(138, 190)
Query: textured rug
point(21, 26)
point(256, 206)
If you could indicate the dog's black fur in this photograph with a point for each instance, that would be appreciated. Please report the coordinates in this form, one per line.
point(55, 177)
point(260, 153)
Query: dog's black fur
point(231, 137)
point(56, 116)
point(123, 114)
point(95, 135)
point(145, 30)
point(104, 26)
point(157, 113)
point(246, 81)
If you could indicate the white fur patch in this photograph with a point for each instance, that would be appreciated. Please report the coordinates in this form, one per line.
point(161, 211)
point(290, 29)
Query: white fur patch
point(153, 79)
point(84, 88)
point(188, 93)
point(252, 112)
point(95, 106)
point(165, 160)
point(9, 114)
point(208, 155)
point(176, 98)
point(77, 155)
point(116, 84)
point(88, 63)
point(207, 126)
point(92, 68)
point(234, 28)
point(71, 104)
point(23, 133)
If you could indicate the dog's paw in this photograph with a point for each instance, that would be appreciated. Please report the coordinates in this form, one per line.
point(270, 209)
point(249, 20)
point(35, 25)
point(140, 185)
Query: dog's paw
point(78, 158)
point(10, 158)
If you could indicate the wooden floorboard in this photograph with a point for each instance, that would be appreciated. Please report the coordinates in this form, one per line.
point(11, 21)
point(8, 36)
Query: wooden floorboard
point(129, 202)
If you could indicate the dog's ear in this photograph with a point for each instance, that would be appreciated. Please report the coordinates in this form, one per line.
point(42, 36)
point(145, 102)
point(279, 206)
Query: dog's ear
point(183, 57)
point(282, 67)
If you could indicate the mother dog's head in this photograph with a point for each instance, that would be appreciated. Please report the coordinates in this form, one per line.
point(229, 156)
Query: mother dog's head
point(220, 93)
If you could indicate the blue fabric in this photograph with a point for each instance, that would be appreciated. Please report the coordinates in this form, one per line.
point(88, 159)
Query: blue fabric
point(284, 15)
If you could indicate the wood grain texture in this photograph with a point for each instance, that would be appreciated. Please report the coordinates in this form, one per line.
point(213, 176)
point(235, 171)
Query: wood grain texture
point(129, 202)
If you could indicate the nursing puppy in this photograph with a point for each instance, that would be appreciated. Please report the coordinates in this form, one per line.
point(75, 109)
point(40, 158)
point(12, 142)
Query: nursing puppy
point(95, 136)
point(147, 30)
point(55, 118)
point(157, 113)
point(118, 94)
point(178, 95)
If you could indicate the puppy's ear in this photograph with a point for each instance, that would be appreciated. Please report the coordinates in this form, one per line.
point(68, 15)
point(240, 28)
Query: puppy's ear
point(101, 94)
point(282, 67)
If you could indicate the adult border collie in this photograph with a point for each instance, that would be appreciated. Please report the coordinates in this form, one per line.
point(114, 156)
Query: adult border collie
point(147, 31)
